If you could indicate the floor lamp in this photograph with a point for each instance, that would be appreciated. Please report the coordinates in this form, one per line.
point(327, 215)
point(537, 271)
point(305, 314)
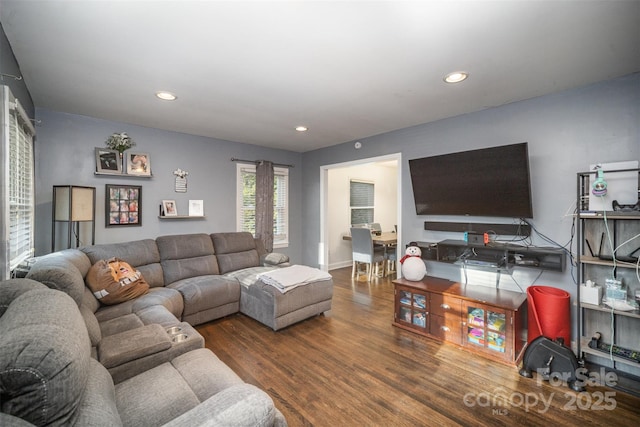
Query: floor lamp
point(73, 204)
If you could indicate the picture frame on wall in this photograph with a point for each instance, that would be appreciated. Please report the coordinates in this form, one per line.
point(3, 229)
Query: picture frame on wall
point(123, 205)
point(196, 207)
point(169, 208)
point(108, 161)
point(138, 163)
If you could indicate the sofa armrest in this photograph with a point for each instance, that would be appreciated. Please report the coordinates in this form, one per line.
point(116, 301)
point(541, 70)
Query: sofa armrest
point(11, 421)
point(275, 259)
point(239, 405)
point(180, 346)
point(123, 347)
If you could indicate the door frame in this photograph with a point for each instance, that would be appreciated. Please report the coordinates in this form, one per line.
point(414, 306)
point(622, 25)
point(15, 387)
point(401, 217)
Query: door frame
point(323, 253)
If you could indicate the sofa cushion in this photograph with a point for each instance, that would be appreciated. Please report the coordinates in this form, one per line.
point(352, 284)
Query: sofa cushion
point(89, 300)
point(114, 281)
point(13, 288)
point(186, 255)
point(93, 328)
point(58, 272)
point(143, 255)
point(120, 324)
point(45, 359)
point(157, 314)
point(171, 397)
point(133, 344)
point(205, 292)
point(227, 243)
point(235, 251)
point(98, 406)
point(205, 372)
point(178, 386)
point(241, 405)
point(170, 299)
point(275, 258)
point(75, 256)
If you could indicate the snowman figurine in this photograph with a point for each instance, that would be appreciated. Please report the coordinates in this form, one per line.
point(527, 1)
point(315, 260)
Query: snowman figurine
point(413, 267)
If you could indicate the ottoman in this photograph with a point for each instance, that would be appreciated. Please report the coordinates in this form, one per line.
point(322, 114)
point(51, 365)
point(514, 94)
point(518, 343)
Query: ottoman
point(268, 305)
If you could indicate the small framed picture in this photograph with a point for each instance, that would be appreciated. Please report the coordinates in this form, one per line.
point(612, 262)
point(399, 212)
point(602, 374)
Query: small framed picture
point(108, 161)
point(123, 205)
point(138, 164)
point(169, 208)
point(196, 207)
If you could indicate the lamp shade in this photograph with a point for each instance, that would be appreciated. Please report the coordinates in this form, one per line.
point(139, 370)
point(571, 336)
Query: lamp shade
point(74, 203)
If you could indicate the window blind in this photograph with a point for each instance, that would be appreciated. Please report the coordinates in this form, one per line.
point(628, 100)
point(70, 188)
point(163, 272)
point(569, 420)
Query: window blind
point(19, 202)
point(281, 206)
point(361, 195)
point(246, 211)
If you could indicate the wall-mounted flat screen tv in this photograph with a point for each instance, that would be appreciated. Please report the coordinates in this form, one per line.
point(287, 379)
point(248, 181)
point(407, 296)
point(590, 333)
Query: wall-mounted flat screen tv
point(486, 182)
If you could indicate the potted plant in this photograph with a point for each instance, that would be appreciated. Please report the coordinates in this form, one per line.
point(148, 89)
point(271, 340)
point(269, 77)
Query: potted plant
point(120, 142)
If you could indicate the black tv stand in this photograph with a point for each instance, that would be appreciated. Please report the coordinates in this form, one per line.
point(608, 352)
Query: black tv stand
point(494, 255)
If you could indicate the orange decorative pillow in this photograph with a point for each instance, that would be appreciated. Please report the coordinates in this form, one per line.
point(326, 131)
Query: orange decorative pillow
point(115, 281)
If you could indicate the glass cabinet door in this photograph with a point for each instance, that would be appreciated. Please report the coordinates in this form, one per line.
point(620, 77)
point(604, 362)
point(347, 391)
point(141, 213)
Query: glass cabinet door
point(419, 310)
point(496, 331)
point(486, 328)
point(475, 326)
point(412, 308)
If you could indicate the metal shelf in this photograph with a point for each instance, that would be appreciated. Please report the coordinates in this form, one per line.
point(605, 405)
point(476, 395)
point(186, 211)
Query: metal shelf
point(607, 309)
point(592, 317)
point(586, 349)
point(597, 261)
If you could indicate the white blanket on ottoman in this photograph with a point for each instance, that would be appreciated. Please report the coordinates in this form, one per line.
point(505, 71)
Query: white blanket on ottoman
point(287, 278)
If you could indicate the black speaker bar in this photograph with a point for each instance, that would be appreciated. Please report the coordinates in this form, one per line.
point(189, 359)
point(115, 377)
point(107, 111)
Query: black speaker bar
point(523, 230)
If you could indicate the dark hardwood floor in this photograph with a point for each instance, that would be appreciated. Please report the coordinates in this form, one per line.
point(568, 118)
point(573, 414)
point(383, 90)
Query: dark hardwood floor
point(351, 367)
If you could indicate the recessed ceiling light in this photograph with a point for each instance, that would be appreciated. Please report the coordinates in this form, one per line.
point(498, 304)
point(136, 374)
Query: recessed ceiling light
point(456, 77)
point(166, 96)
point(301, 128)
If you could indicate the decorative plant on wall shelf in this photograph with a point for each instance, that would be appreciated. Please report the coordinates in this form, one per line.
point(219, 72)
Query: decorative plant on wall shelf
point(120, 142)
point(181, 180)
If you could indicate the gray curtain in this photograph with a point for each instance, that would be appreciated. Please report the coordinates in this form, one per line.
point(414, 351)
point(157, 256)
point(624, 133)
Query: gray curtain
point(264, 203)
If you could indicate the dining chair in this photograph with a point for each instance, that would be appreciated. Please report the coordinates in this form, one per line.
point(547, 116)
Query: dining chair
point(363, 251)
point(390, 258)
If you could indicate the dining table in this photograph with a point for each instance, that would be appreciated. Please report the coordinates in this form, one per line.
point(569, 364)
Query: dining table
point(385, 238)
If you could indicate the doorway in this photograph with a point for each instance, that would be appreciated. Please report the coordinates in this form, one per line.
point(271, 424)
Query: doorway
point(386, 171)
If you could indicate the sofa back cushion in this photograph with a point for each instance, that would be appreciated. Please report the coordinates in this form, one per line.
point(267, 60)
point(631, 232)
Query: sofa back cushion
point(60, 271)
point(186, 255)
point(45, 358)
point(143, 255)
point(13, 288)
point(235, 251)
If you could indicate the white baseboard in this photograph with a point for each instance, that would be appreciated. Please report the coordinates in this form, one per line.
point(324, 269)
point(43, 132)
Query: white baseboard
point(340, 264)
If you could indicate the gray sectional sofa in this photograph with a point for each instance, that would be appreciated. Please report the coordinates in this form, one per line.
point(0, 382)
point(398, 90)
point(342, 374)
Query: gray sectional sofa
point(48, 377)
point(145, 342)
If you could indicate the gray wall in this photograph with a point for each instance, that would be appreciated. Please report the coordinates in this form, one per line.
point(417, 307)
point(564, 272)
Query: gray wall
point(566, 133)
point(65, 156)
point(9, 65)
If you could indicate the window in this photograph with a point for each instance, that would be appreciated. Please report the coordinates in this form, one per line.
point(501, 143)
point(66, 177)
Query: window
point(18, 204)
point(361, 194)
point(246, 212)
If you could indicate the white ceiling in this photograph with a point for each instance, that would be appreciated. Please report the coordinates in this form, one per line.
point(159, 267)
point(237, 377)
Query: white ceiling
point(252, 71)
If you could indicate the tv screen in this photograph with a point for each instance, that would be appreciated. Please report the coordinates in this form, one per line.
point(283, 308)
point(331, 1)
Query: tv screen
point(486, 182)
